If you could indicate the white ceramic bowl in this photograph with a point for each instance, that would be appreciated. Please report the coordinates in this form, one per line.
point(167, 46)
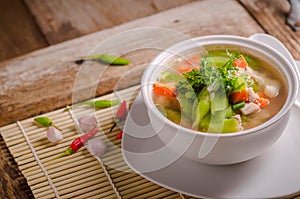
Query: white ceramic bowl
point(220, 148)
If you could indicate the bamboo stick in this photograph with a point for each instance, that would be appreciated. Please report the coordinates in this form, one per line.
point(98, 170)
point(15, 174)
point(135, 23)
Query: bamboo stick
point(45, 194)
point(163, 194)
point(82, 190)
point(81, 173)
point(110, 194)
point(128, 181)
point(122, 176)
point(124, 169)
point(141, 189)
point(82, 184)
point(132, 184)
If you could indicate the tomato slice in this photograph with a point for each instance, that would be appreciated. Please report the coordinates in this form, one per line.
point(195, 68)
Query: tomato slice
point(162, 89)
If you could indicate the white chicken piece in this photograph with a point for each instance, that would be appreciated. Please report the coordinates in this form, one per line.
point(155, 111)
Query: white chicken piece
point(250, 108)
point(257, 77)
point(259, 80)
point(240, 71)
point(272, 88)
point(252, 96)
point(238, 118)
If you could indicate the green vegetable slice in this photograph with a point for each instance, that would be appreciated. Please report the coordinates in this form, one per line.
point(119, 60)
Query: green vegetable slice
point(231, 126)
point(217, 122)
point(218, 60)
point(238, 84)
point(203, 107)
point(173, 115)
point(170, 77)
point(229, 112)
point(186, 96)
point(219, 101)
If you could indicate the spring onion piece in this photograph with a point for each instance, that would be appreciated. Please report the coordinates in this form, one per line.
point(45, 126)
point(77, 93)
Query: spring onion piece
point(238, 105)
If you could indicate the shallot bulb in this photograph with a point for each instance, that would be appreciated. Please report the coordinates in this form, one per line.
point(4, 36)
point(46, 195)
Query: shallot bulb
point(53, 134)
point(97, 147)
point(87, 123)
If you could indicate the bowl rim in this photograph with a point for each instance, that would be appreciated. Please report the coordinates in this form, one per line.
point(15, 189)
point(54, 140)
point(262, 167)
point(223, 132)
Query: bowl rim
point(292, 82)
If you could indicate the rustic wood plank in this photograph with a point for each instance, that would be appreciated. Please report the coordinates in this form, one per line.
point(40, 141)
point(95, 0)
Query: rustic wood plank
point(19, 34)
point(42, 81)
point(271, 14)
point(46, 77)
point(161, 5)
point(62, 20)
point(12, 183)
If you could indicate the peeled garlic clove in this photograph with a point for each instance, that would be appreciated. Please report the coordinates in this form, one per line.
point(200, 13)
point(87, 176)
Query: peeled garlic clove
point(97, 147)
point(87, 123)
point(53, 134)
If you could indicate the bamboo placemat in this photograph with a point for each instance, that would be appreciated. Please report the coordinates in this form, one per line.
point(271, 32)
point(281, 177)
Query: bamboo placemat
point(80, 175)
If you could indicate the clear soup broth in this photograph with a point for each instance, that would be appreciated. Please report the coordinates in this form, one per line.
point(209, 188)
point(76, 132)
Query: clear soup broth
point(225, 90)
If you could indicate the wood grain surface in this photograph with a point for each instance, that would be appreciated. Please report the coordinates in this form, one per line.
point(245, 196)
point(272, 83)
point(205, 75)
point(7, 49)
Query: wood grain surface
point(62, 20)
point(28, 25)
point(46, 77)
point(271, 15)
point(43, 80)
point(19, 34)
point(12, 183)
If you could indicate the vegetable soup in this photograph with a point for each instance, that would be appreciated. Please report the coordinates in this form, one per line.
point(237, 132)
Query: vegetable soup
point(223, 91)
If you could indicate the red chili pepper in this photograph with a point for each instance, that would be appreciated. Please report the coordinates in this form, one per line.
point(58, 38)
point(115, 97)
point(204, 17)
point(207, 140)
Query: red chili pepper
point(120, 115)
point(119, 135)
point(78, 143)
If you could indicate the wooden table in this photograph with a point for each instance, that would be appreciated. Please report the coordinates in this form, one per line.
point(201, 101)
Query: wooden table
point(43, 80)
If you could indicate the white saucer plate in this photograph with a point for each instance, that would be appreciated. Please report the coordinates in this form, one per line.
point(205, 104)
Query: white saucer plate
point(274, 174)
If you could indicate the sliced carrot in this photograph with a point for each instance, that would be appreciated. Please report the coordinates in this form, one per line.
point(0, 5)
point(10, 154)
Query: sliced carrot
point(184, 69)
point(194, 59)
point(240, 96)
point(260, 94)
point(162, 89)
point(190, 63)
point(262, 102)
point(240, 62)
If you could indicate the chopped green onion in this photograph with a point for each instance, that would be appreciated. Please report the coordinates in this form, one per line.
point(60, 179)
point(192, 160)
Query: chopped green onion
point(238, 105)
